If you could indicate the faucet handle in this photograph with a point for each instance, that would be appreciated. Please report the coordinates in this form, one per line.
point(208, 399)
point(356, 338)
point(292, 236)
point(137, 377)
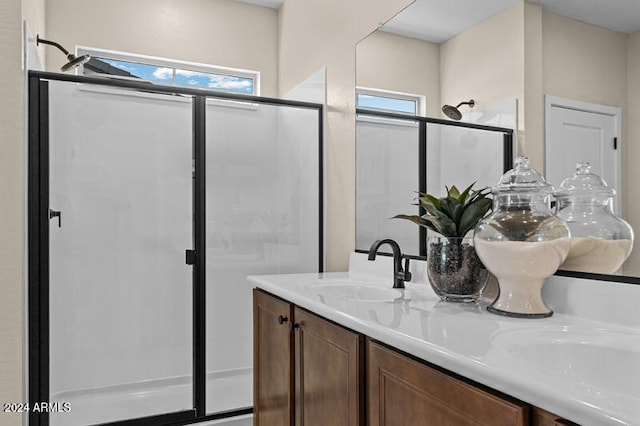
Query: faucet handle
point(407, 274)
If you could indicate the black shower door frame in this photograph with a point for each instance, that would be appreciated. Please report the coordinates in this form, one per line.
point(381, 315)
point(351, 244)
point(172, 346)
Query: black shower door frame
point(422, 123)
point(38, 237)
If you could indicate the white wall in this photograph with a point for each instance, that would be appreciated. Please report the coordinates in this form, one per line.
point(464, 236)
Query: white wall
point(313, 89)
point(402, 64)
point(632, 149)
point(486, 63)
point(583, 62)
point(314, 34)
point(217, 32)
point(530, 136)
point(12, 134)
point(33, 13)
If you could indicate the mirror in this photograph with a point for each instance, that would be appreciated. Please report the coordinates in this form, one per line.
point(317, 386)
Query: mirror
point(504, 50)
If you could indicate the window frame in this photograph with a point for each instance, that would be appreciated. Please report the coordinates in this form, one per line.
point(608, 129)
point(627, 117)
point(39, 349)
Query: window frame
point(173, 64)
point(420, 100)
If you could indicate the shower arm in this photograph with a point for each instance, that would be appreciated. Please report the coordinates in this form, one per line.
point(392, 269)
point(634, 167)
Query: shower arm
point(471, 103)
point(52, 43)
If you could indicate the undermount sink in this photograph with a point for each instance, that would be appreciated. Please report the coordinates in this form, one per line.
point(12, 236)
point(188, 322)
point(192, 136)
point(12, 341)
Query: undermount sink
point(599, 359)
point(361, 291)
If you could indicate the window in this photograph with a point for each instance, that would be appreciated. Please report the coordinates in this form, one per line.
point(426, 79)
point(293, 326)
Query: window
point(387, 101)
point(170, 72)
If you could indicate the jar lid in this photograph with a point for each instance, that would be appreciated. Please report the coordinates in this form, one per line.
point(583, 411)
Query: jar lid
point(522, 178)
point(583, 183)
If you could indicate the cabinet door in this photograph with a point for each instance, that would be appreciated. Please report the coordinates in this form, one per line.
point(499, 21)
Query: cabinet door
point(402, 391)
point(329, 373)
point(272, 361)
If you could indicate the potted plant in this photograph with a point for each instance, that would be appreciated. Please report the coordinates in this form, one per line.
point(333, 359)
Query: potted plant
point(455, 272)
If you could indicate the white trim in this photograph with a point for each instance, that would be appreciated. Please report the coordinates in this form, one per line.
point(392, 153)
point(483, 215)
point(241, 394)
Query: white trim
point(421, 100)
point(551, 101)
point(385, 120)
point(217, 102)
point(612, 111)
point(170, 63)
point(117, 91)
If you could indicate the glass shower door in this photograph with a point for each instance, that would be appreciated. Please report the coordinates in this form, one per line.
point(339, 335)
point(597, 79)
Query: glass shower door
point(263, 217)
point(121, 219)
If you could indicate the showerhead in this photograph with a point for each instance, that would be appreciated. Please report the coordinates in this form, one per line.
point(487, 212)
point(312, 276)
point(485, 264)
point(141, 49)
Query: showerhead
point(73, 60)
point(453, 112)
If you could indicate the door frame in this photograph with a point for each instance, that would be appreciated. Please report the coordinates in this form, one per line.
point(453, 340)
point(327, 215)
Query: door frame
point(611, 111)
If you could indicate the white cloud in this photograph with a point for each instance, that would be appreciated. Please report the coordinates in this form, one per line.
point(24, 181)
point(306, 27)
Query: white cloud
point(224, 82)
point(186, 73)
point(163, 73)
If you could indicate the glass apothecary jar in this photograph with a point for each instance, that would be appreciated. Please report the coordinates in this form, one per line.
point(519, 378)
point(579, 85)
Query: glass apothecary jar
point(600, 240)
point(522, 242)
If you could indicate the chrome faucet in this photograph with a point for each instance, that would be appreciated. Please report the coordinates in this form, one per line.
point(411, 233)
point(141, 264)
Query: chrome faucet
point(399, 275)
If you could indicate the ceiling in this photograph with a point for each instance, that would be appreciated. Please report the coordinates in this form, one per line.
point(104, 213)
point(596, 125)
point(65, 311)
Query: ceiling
point(439, 20)
point(274, 4)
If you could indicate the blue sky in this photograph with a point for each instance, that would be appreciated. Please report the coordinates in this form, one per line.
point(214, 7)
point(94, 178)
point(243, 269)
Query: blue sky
point(387, 104)
point(239, 84)
point(184, 77)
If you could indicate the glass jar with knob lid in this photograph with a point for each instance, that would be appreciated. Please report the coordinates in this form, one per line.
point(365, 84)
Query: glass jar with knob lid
point(522, 242)
point(600, 240)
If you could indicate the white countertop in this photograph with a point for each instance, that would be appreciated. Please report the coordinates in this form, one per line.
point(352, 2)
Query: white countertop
point(575, 364)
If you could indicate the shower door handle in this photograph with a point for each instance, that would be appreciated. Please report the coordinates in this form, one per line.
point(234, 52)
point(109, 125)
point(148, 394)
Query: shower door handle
point(58, 214)
point(190, 257)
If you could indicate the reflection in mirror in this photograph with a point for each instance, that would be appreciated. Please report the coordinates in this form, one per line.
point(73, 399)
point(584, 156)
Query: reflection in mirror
point(386, 181)
point(582, 53)
point(396, 158)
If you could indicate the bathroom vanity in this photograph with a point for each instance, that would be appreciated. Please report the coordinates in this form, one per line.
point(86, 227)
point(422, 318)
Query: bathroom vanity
point(347, 348)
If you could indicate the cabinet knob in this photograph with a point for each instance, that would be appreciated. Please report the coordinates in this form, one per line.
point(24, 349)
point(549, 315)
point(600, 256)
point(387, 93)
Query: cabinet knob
point(293, 326)
point(282, 320)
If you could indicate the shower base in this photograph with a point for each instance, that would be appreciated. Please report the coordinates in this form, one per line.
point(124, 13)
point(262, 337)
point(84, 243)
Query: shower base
point(226, 390)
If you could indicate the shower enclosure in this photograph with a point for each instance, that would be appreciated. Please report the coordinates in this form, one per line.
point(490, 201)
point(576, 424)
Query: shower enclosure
point(148, 207)
point(398, 155)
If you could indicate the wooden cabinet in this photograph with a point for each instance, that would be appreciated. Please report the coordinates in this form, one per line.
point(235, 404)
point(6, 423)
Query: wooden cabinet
point(329, 371)
point(272, 361)
point(403, 391)
point(307, 370)
point(310, 371)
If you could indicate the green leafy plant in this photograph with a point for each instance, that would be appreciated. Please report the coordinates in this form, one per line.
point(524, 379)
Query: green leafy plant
point(453, 215)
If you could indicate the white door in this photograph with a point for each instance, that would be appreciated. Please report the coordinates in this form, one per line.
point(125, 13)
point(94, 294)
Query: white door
point(579, 131)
